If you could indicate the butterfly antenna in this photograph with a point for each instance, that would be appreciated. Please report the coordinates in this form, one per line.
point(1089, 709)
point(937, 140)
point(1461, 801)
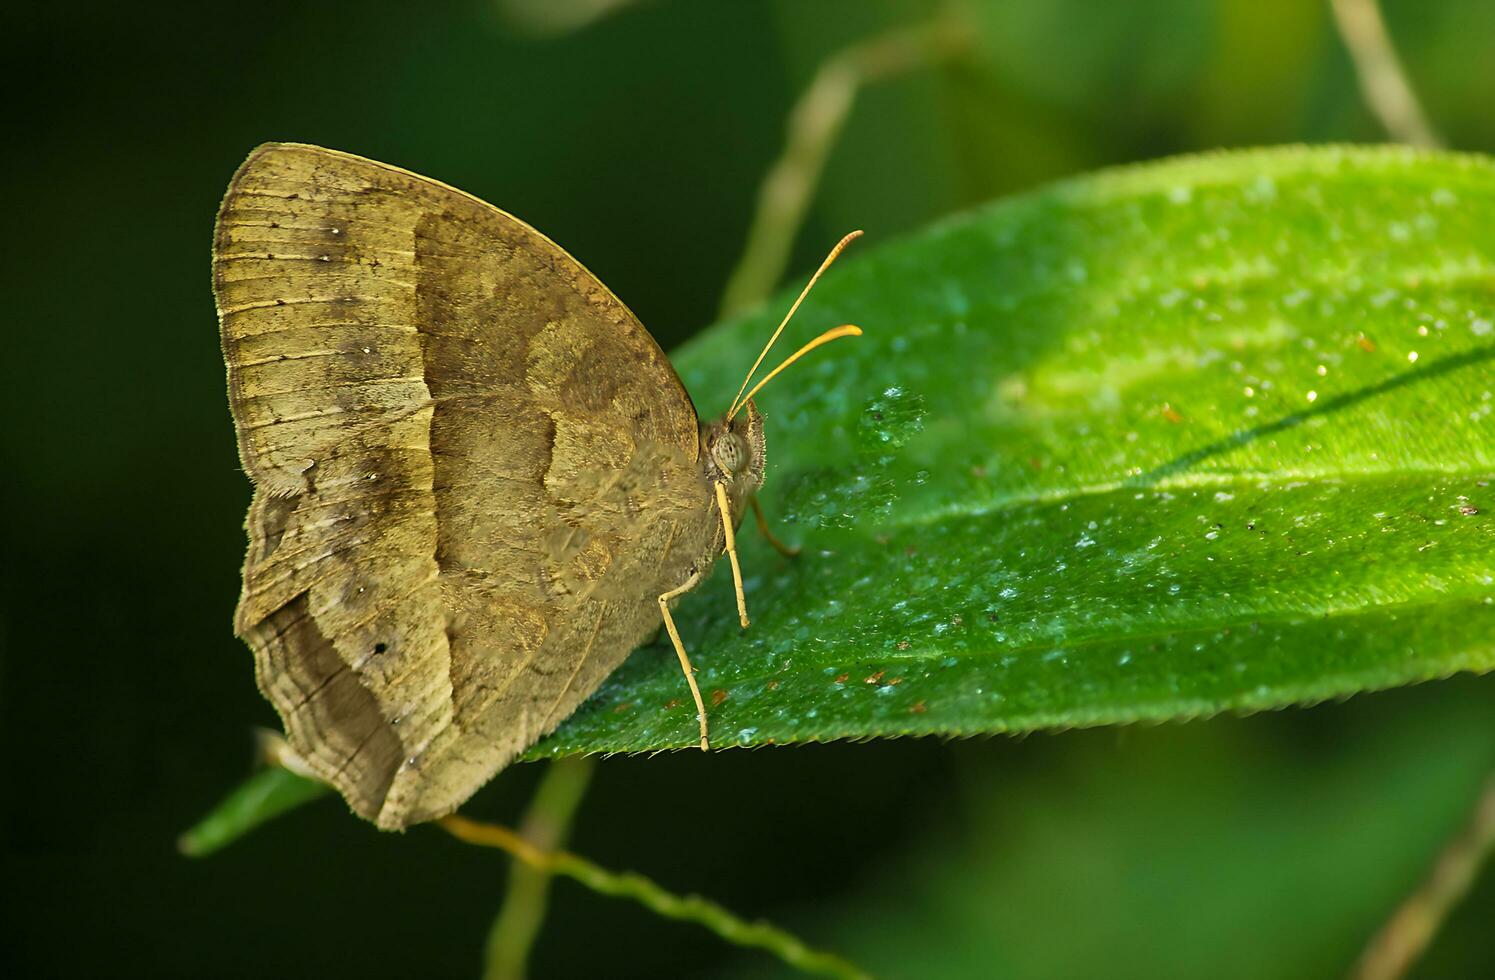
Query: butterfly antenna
point(737, 402)
point(836, 333)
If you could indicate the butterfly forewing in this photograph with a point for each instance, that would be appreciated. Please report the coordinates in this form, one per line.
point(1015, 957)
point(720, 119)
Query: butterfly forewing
point(474, 473)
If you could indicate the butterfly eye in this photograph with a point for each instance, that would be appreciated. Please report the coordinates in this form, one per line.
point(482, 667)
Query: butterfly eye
point(728, 452)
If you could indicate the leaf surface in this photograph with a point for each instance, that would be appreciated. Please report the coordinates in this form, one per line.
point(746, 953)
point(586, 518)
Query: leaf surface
point(1210, 434)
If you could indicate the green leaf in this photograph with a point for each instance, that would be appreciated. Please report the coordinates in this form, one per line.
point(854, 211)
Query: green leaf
point(1211, 434)
point(262, 797)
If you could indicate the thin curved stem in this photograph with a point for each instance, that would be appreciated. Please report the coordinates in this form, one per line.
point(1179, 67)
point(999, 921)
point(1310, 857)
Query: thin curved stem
point(1411, 928)
point(814, 123)
point(687, 908)
point(1383, 80)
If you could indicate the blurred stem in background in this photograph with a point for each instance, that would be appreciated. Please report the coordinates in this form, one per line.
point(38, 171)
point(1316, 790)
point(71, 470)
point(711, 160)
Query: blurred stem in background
point(687, 908)
point(814, 123)
point(1383, 80)
point(546, 826)
point(1404, 938)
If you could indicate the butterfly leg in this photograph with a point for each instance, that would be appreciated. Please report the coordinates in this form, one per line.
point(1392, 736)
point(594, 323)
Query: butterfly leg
point(690, 672)
point(726, 512)
point(788, 551)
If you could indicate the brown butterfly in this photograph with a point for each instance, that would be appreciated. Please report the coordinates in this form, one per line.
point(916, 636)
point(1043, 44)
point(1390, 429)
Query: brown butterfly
point(478, 481)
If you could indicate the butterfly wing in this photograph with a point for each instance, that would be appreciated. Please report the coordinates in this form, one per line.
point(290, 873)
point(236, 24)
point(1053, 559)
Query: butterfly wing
point(474, 471)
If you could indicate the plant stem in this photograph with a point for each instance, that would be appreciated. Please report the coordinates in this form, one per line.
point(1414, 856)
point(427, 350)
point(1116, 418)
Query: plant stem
point(1383, 80)
point(814, 123)
point(546, 826)
point(687, 908)
point(1406, 935)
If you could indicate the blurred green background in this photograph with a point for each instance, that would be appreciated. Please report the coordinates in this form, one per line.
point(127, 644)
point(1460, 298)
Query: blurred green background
point(1269, 846)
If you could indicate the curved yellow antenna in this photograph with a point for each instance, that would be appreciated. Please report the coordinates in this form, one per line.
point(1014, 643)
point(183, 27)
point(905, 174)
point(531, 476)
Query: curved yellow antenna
point(737, 402)
point(835, 333)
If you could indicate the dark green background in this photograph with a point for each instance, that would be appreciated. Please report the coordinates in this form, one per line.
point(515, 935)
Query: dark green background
point(1268, 846)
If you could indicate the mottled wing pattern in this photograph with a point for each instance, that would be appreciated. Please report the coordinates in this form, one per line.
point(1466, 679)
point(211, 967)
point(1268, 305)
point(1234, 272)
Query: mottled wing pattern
point(474, 472)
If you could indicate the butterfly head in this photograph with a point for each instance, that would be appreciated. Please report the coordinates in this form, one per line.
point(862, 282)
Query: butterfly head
point(734, 448)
